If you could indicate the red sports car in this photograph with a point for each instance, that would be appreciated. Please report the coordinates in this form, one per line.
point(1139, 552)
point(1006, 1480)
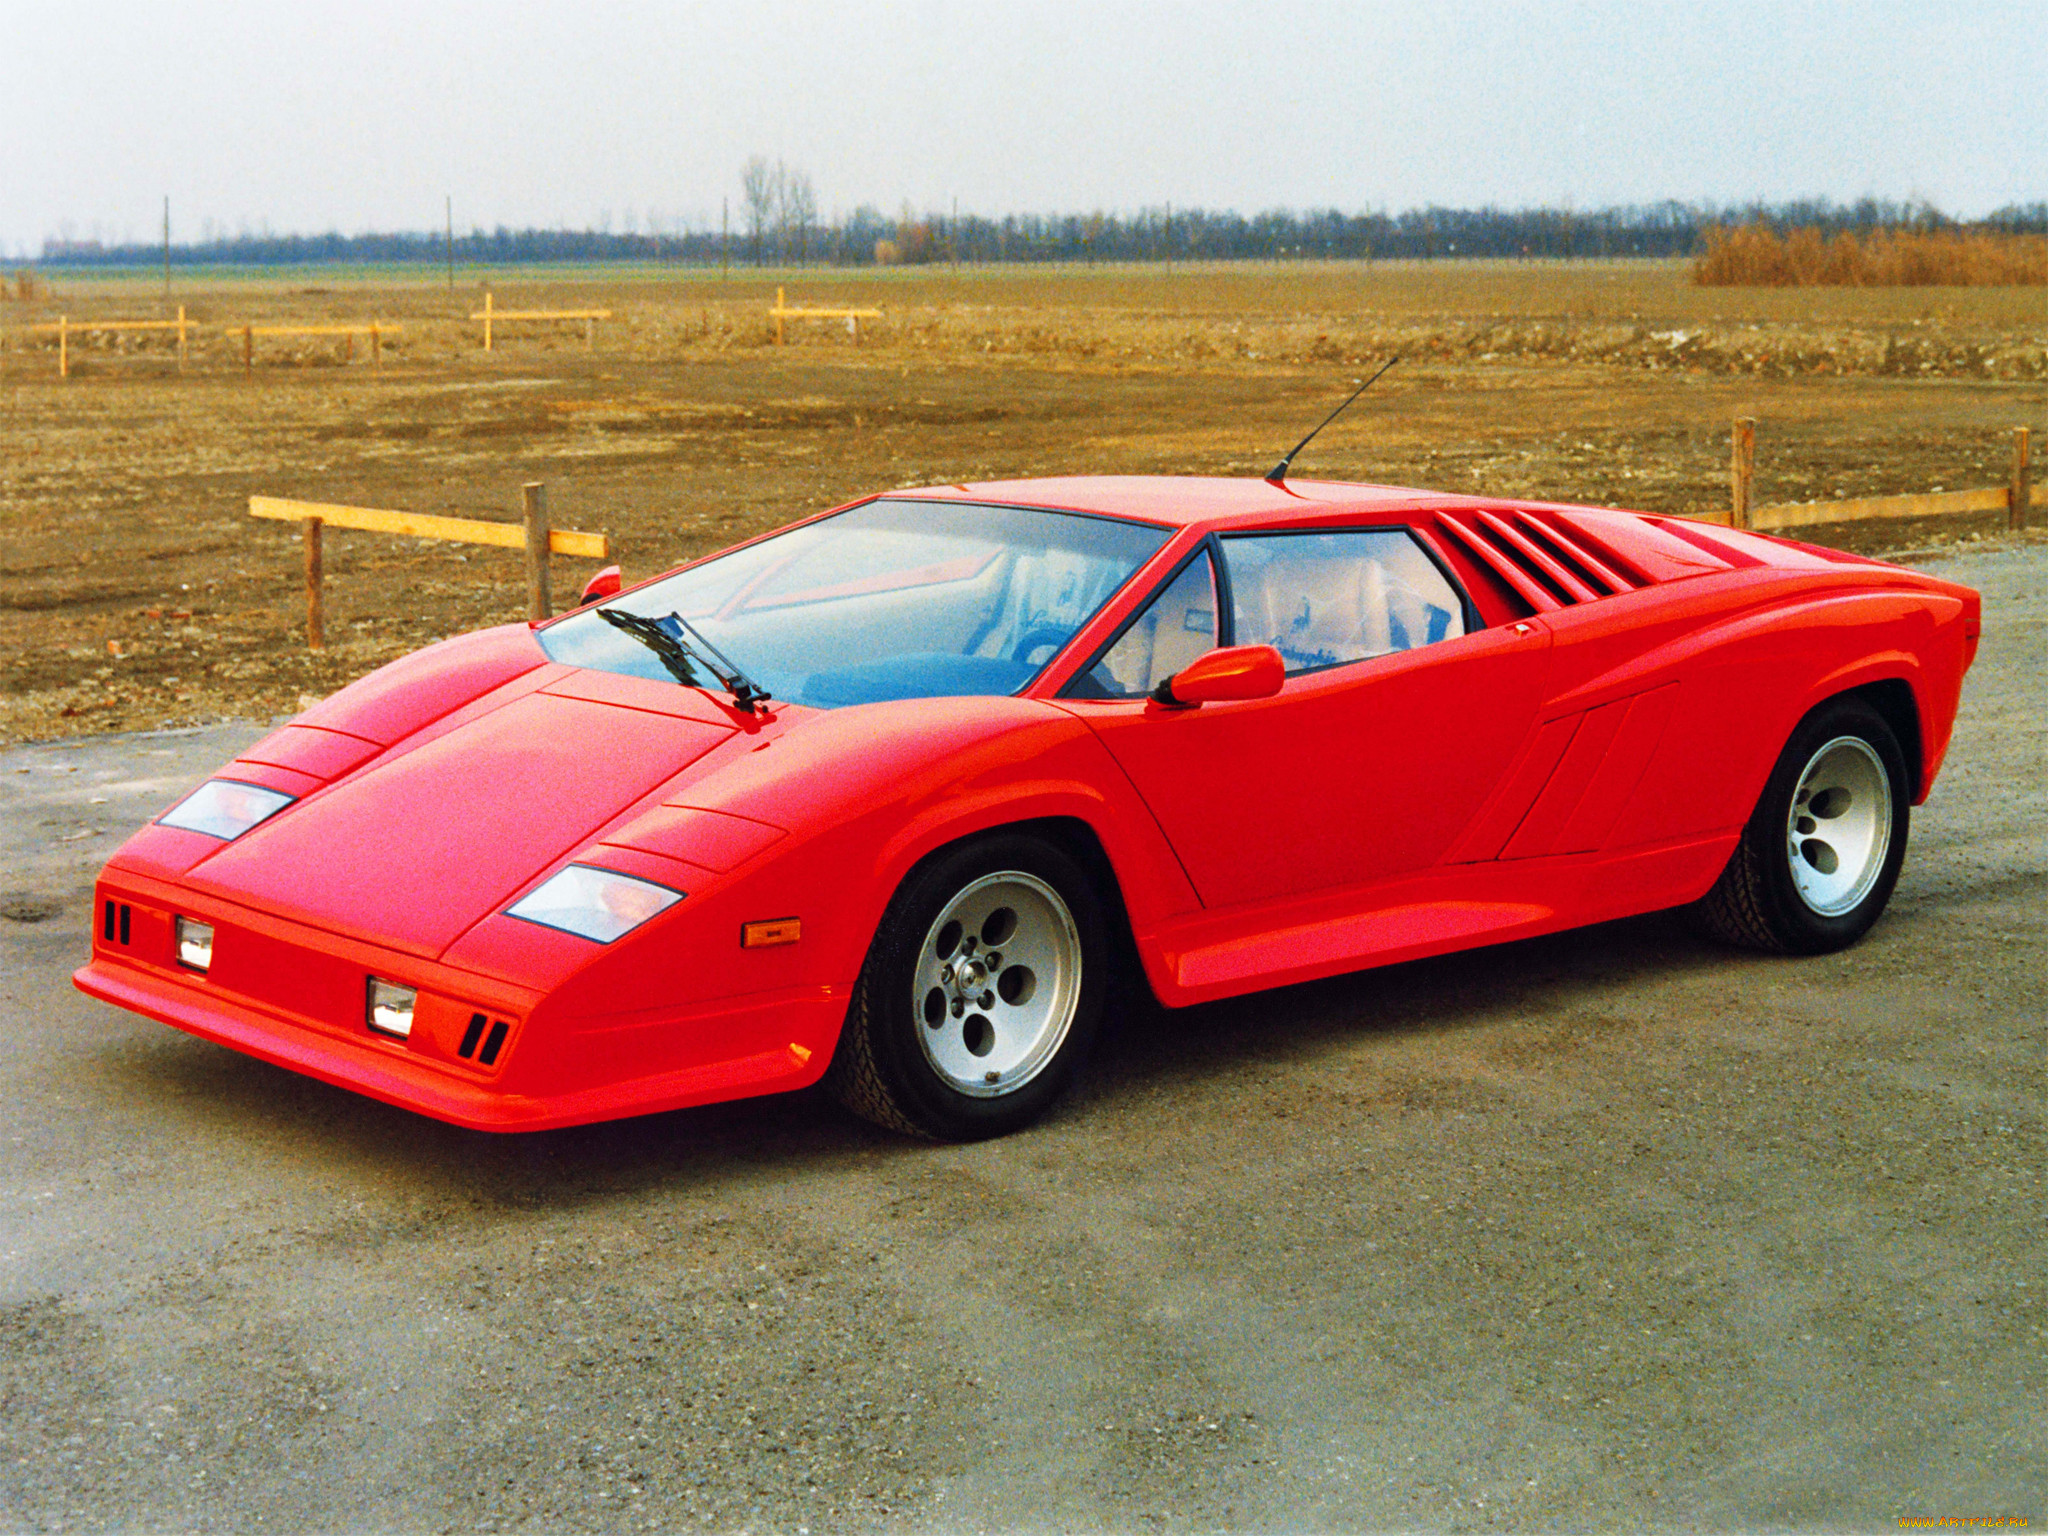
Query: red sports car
point(883, 797)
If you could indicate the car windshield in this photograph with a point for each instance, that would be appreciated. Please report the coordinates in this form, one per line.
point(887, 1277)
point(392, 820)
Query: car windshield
point(896, 599)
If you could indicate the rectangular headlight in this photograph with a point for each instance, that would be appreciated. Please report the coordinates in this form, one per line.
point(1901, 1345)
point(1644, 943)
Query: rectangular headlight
point(195, 944)
point(599, 904)
point(390, 1007)
point(225, 808)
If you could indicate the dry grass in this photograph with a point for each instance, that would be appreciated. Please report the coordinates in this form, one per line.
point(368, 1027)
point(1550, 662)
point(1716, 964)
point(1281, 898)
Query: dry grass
point(1754, 257)
point(1216, 318)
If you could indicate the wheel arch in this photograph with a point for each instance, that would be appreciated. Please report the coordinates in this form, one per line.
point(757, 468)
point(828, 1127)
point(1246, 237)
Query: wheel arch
point(1894, 699)
point(1082, 842)
point(1895, 693)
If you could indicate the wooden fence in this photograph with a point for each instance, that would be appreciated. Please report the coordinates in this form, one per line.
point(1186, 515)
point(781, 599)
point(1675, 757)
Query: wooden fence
point(490, 315)
point(65, 328)
point(532, 534)
point(64, 325)
point(783, 311)
point(376, 330)
point(2014, 498)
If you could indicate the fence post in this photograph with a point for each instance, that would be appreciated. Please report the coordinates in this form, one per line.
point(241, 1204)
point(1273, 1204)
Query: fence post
point(63, 346)
point(539, 601)
point(487, 320)
point(248, 350)
point(778, 317)
point(181, 338)
point(1742, 471)
point(376, 347)
point(315, 636)
point(2020, 502)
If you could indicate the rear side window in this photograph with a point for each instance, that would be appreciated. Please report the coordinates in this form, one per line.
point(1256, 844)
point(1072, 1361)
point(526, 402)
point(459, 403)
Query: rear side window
point(1178, 626)
point(1322, 599)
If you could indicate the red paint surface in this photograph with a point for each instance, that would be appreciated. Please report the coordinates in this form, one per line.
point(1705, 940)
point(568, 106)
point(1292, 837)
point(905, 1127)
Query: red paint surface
point(1590, 750)
point(419, 849)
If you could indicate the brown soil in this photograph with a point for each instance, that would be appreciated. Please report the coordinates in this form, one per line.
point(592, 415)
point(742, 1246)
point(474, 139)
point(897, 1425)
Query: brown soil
point(136, 592)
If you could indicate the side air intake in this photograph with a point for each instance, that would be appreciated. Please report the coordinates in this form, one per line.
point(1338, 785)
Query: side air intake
point(483, 1039)
point(1560, 558)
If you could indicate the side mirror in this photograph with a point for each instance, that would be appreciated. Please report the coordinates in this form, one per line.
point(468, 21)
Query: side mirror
point(605, 583)
point(1237, 672)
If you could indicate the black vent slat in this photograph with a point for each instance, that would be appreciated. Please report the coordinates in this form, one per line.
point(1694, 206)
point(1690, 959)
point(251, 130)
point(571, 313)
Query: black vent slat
point(124, 922)
point(1573, 553)
point(107, 924)
point(471, 1035)
point(1518, 580)
point(494, 1043)
point(1547, 565)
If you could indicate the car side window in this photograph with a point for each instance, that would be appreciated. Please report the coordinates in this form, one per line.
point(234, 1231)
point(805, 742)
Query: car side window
point(1179, 625)
point(1322, 599)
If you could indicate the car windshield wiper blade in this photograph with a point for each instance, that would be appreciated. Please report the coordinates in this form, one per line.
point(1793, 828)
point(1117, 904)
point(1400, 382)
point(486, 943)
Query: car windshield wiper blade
point(680, 660)
point(683, 659)
point(746, 693)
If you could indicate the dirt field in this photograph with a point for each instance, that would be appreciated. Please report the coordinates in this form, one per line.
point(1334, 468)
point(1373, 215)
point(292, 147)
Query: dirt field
point(135, 592)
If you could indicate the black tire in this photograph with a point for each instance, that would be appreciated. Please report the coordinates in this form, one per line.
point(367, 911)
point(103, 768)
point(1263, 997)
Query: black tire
point(1765, 898)
point(898, 1070)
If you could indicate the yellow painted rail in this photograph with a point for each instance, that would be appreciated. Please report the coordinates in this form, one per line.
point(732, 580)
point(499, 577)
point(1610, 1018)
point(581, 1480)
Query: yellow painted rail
point(491, 315)
point(423, 525)
point(376, 330)
point(2014, 498)
point(784, 311)
point(1809, 514)
point(532, 535)
point(64, 325)
point(369, 328)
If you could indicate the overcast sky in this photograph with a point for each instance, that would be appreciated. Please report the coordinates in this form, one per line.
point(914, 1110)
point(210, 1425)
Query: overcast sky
point(300, 115)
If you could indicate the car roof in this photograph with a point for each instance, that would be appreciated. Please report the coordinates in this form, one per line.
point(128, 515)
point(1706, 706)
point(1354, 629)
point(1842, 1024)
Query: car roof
point(1184, 500)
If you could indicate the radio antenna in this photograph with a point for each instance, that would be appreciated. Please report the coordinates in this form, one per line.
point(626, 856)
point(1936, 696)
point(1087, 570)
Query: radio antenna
point(1278, 473)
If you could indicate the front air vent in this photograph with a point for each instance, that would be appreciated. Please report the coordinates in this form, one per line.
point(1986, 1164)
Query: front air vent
point(116, 922)
point(483, 1040)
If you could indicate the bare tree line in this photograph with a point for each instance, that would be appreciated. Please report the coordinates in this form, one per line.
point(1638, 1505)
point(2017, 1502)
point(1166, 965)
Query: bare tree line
point(781, 198)
point(781, 224)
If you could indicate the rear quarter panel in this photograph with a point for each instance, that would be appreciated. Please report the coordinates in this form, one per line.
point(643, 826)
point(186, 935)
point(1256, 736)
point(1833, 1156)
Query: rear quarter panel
point(1752, 652)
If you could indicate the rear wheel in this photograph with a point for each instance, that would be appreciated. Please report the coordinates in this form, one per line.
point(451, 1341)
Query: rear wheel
point(981, 994)
point(1820, 856)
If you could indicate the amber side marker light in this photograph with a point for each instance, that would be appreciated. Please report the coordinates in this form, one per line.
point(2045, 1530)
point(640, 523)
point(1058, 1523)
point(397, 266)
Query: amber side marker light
point(765, 935)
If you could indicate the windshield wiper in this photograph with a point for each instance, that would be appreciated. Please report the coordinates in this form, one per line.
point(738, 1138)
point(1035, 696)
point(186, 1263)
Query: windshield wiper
point(684, 659)
point(745, 692)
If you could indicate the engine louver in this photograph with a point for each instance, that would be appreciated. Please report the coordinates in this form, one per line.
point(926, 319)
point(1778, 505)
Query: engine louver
point(1544, 566)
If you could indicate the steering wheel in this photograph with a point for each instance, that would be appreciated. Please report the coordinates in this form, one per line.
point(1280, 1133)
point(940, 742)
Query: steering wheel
point(1043, 633)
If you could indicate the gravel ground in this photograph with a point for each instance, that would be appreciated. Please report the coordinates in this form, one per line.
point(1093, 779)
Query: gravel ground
point(1613, 1229)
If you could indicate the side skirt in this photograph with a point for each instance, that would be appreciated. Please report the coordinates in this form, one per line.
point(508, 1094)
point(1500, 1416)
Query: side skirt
point(1212, 955)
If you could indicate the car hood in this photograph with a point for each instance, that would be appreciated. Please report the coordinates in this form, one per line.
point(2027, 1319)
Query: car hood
point(413, 851)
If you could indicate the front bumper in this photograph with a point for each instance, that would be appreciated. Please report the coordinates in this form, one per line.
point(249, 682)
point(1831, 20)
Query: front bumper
point(296, 998)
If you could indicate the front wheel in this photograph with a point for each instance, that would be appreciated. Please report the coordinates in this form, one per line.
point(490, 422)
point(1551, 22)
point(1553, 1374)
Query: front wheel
point(981, 995)
point(1818, 860)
